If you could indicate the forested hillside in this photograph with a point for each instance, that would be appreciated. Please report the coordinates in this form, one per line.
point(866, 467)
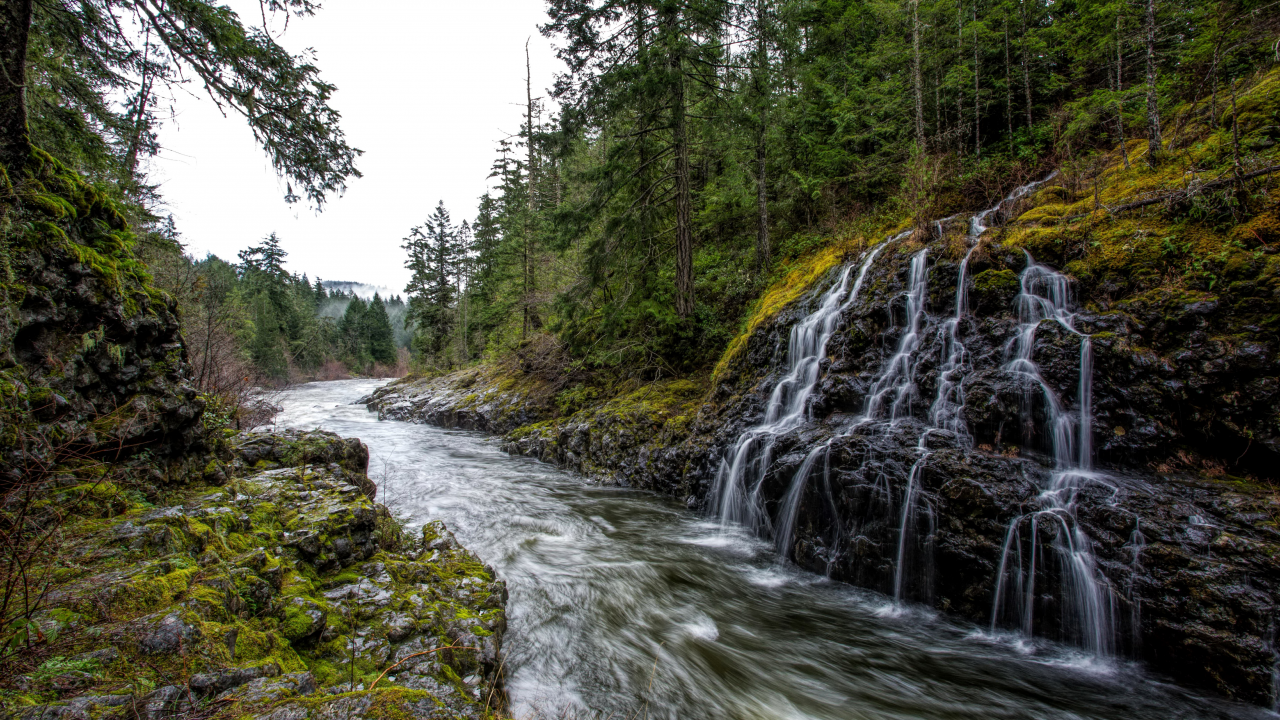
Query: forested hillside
point(694, 152)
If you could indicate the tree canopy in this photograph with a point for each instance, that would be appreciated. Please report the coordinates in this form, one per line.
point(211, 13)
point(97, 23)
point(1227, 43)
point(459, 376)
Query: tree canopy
point(77, 55)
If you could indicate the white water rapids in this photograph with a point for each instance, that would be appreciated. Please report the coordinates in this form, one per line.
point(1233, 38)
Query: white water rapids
point(626, 605)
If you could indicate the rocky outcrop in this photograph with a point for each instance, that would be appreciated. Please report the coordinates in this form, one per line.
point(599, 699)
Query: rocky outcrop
point(281, 592)
point(91, 359)
point(1185, 551)
point(472, 400)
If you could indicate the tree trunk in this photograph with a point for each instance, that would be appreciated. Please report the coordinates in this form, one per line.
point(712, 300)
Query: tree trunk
point(960, 124)
point(763, 251)
point(937, 104)
point(1235, 134)
point(684, 203)
point(1008, 86)
point(1026, 69)
point(1153, 108)
point(530, 282)
point(977, 118)
point(15, 25)
point(1124, 151)
point(763, 92)
point(139, 126)
point(915, 71)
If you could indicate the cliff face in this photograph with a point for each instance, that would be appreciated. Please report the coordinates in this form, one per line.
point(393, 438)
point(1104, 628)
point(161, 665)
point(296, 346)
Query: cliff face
point(1160, 545)
point(91, 360)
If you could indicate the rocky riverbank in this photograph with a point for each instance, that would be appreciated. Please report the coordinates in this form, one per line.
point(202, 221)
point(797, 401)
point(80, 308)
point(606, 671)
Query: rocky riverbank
point(278, 589)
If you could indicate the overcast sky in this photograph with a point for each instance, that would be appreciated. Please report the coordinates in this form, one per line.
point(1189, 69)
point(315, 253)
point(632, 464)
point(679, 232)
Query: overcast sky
point(426, 88)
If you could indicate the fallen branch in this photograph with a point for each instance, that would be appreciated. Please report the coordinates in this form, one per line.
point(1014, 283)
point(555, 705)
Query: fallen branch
point(410, 657)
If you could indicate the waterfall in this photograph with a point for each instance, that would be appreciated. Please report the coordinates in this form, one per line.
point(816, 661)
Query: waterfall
point(948, 404)
point(977, 225)
point(897, 376)
point(908, 504)
point(735, 493)
point(946, 411)
point(1137, 543)
point(786, 525)
point(1088, 600)
point(738, 492)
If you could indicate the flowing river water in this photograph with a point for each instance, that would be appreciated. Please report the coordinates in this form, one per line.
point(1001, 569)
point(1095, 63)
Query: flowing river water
point(626, 605)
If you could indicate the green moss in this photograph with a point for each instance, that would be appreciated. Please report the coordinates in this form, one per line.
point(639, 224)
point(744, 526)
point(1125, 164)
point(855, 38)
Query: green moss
point(804, 273)
point(996, 282)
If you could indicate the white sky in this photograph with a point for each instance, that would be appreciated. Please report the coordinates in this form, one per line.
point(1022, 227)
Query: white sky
point(426, 88)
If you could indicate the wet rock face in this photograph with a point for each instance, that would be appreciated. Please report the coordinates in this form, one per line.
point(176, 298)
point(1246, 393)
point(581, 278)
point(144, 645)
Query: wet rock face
point(465, 400)
point(1187, 563)
point(346, 457)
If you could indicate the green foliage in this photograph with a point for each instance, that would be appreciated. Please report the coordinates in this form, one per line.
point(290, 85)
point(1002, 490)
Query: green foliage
point(436, 255)
point(84, 55)
point(381, 338)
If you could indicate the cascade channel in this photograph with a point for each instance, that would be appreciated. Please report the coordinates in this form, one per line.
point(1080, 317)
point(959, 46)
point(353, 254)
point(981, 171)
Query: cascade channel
point(1087, 601)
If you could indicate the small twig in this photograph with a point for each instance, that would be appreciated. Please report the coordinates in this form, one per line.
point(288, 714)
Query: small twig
point(410, 657)
point(1246, 452)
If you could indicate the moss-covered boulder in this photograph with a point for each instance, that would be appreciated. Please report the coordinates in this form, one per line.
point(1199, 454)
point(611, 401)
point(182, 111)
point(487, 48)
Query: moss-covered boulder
point(994, 290)
point(284, 591)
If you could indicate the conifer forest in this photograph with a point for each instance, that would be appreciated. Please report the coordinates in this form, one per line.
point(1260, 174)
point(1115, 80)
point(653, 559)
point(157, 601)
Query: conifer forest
point(811, 359)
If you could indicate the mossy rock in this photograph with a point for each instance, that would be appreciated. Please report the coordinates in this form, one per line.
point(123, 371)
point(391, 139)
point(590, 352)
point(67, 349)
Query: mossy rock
point(994, 290)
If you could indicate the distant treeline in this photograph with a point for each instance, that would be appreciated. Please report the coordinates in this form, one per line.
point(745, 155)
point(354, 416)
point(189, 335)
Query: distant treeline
point(256, 319)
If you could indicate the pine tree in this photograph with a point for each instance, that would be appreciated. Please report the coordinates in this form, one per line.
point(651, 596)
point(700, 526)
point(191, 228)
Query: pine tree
point(351, 330)
point(381, 339)
point(636, 70)
point(433, 261)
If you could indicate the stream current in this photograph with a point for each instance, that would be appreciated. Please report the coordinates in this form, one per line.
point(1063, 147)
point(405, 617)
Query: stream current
point(625, 604)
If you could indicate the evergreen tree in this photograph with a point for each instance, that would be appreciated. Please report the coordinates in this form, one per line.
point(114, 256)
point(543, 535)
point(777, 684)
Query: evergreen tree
point(268, 345)
point(381, 338)
point(353, 333)
point(433, 260)
point(637, 71)
point(75, 56)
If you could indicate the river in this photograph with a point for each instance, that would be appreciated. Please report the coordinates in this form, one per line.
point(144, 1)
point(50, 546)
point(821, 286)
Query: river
point(626, 605)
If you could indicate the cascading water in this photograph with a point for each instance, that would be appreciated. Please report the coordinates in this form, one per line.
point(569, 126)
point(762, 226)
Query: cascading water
point(946, 412)
point(890, 402)
point(897, 376)
point(948, 404)
point(738, 481)
point(1088, 601)
point(908, 507)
